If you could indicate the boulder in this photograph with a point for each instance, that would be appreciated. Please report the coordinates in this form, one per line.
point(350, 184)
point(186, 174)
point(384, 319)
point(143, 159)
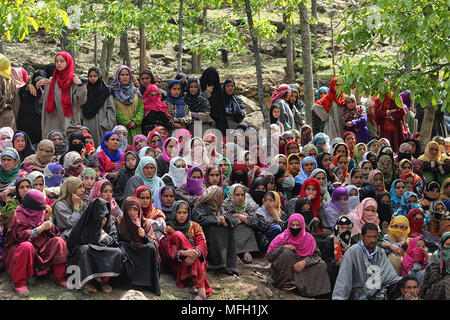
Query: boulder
point(133, 295)
point(251, 106)
point(255, 119)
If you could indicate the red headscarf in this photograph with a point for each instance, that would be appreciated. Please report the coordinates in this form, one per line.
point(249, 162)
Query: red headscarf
point(89, 146)
point(147, 212)
point(317, 201)
point(290, 142)
point(414, 254)
point(64, 78)
point(154, 103)
point(280, 92)
point(416, 226)
point(336, 160)
point(327, 100)
point(352, 151)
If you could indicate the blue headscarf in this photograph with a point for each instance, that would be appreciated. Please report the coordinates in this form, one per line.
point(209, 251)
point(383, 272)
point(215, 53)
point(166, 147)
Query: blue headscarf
point(321, 89)
point(302, 176)
point(395, 200)
point(405, 207)
point(117, 156)
point(155, 182)
point(176, 100)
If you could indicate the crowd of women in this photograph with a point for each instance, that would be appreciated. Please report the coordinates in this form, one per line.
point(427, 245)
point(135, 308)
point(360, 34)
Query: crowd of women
point(110, 179)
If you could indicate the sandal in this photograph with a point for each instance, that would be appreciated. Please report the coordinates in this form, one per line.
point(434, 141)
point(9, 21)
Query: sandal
point(106, 288)
point(290, 288)
point(247, 257)
point(23, 292)
point(202, 297)
point(88, 287)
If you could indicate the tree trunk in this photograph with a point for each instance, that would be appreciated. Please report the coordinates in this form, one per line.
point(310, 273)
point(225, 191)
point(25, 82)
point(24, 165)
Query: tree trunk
point(142, 43)
point(180, 36)
point(196, 62)
point(105, 59)
point(259, 78)
point(95, 49)
point(290, 75)
point(314, 32)
point(307, 61)
point(124, 49)
point(427, 125)
point(1, 47)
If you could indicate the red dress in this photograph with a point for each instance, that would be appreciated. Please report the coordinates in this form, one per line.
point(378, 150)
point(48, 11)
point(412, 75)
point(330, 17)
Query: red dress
point(195, 273)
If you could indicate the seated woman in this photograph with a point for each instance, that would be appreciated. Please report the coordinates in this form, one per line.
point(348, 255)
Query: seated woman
point(376, 179)
point(271, 220)
point(356, 177)
point(146, 174)
point(9, 172)
point(335, 247)
point(33, 244)
point(311, 190)
point(177, 174)
point(139, 141)
point(110, 158)
point(23, 185)
point(214, 177)
point(193, 188)
point(408, 202)
point(153, 215)
point(295, 261)
point(123, 138)
point(59, 140)
point(337, 207)
point(38, 180)
point(384, 210)
point(431, 193)
point(53, 173)
point(94, 247)
point(242, 215)
point(416, 259)
point(104, 189)
point(186, 250)
point(436, 164)
point(38, 161)
point(68, 208)
point(164, 199)
point(397, 237)
point(440, 219)
point(138, 242)
point(170, 150)
point(414, 182)
point(131, 160)
point(436, 279)
point(73, 164)
point(196, 154)
point(307, 166)
point(353, 197)
point(398, 189)
point(219, 231)
point(445, 193)
point(257, 191)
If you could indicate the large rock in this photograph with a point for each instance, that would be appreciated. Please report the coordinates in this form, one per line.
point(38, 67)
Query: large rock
point(255, 119)
point(133, 295)
point(251, 106)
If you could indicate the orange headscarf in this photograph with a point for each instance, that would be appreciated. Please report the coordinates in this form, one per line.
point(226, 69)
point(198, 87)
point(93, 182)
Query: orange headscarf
point(327, 100)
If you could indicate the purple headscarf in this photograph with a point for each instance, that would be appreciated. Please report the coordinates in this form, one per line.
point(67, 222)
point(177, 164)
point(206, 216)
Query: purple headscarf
point(406, 98)
point(51, 178)
point(33, 206)
point(336, 208)
point(194, 186)
point(124, 92)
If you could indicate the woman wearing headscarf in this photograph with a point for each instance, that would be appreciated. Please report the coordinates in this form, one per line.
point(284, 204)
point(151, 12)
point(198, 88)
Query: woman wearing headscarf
point(155, 141)
point(7, 212)
point(386, 166)
point(311, 190)
point(413, 182)
point(241, 215)
point(408, 201)
point(397, 239)
point(297, 106)
point(317, 124)
point(170, 150)
point(306, 135)
point(436, 279)
point(376, 179)
point(164, 199)
point(146, 173)
point(28, 118)
point(324, 162)
point(416, 258)
point(9, 171)
point(359, 151)
point(295, 261)
point(436, 164)
point(410, 117)
point(177, 174)
point(353, 197)
point(99, 111)
point(178, 109)
point(329, 109)
point(183, 137)
point(131, 160)
point(391, 121)
point(94, 247)
point(212, 90)
point(235, 108)
point(198, 104)
point(431, 193)
point(445, 193)
point(110, 158)
point(415, 146)
point(128, 102)
point(398, 188)
point(38, 161)
point(281, 97)
point(73, 165)
point(104, 189)
point(138, 242)
point(63, 97)
point(321, 141)
point(196, 153)
point(440, 219)
point(326, 188)
point(53, 173)
point(355, 119)
point(186, 250)
point(155, 110)
point(59, 140)
point(33, 244)
point(337, 207)
point(193, 188)
point(22, 143)
point(336, 245)
point(365, 212)
point(38, 180)
point(416, 219)
point(68, 208)
point(218, 229)
point(307, 166)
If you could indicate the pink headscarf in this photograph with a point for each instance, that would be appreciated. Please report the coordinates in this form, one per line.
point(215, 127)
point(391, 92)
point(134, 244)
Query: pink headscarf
point(96, 192)
point(19, 76)
point(359, 218)
point(154, 103)
point(304, 241)
point(187, 136)
point(279, 92)
point(164, 153)
point(413, 254)
point(33, 206)
point(138, 136)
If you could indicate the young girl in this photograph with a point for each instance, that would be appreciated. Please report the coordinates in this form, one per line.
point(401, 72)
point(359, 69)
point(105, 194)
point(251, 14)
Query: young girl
point(198, 104)
point(177, 174)
point(170, 150)
point(63, 96)
point(275, 112)
point(110, 159)
point(178, 109)
point(128, 101)
point(104, 189)
point(88, 178)
point(127, 171)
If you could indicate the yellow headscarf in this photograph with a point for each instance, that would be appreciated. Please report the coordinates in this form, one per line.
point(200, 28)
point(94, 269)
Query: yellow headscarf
point(443, 196)
point(426, 156)
point(5, 67)
point(396, 233)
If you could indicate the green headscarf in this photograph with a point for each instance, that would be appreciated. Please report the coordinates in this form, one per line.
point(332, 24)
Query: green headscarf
point(7, 178)
point(229, 165)
point(230, 198)
point(155, 182)
point(358, 158)
point(442, 255)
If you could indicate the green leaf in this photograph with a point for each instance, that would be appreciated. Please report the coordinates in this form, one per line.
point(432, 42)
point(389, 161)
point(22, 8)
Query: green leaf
point(398, 101)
